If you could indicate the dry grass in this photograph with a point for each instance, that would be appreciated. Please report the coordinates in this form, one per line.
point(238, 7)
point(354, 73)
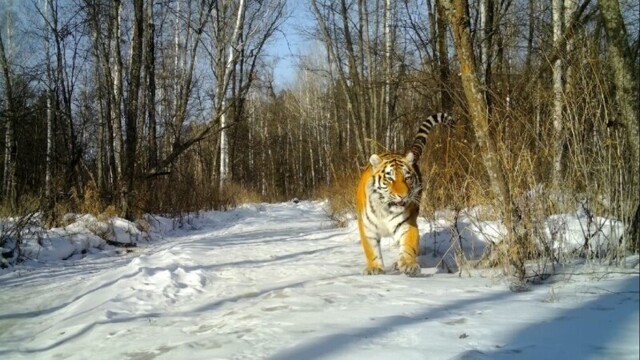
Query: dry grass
point(27, 204)
point(233, 195)
point(342, 198)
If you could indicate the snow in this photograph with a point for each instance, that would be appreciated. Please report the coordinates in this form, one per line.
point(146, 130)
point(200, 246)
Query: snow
point(280, 281)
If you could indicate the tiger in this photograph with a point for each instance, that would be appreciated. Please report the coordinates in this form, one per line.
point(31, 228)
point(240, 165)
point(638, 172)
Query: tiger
point(388, 201)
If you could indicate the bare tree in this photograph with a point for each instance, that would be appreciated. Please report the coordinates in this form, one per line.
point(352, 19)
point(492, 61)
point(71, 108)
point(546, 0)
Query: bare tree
point(478, 111)
point(388, 46)
point(183, 82)
point(131, 119)
point(116, 62)
point(48, 187)
point(349, 80)
point(557, 9)
point(443, 55)
point(150, 66)
point(9, 184)
point(626, 94)
point(231, 57)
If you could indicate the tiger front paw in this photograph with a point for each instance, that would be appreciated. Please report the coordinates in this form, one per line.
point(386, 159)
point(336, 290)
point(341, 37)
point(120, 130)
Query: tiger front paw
point(408, 267)
point(373, 270)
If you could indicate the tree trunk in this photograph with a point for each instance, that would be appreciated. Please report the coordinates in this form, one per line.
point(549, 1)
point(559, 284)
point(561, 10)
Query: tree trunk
point(486, 9)
point(570, 8)
point(558, 94)
point(456, 12)
point(357, 90)
point(150, 64)
point(368, 50)
point(433, 33)
point(64, 105)
point(103, 39)
point(49, 86)
point(388, 47)
point(49, 197)
point(626, 94)
point(232, 57)
point(531, 26)
point(118, 142)
point(150, 72)
point(446, 101)
point(132, 111)
point(10, 148)
point(483, 30)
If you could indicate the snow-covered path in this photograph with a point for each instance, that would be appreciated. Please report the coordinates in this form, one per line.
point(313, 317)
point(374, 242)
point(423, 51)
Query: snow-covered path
point(280, 281)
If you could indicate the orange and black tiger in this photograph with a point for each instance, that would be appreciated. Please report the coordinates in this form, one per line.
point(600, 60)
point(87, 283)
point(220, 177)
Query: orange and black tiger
point(388, 200)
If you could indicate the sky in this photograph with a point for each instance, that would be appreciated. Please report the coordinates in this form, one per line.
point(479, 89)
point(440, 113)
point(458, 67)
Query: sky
point(291, 43)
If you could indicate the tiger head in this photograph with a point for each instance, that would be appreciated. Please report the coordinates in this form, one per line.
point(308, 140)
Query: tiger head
point(396, 180)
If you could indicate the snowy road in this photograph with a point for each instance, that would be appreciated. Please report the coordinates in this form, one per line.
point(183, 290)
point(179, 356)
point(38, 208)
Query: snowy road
point(280, 281)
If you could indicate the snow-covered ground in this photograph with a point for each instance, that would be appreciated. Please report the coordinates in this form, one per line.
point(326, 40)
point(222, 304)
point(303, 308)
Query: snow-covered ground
point(280, 281)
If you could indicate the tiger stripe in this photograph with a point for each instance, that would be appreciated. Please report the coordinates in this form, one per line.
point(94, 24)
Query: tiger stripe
point(425, 128)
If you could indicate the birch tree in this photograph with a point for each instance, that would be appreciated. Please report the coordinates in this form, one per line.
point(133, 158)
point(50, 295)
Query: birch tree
point(388, 47)
point(117, 90)
point(9, 184)
point(232, 53)
point(557, 9)
point(48, 187)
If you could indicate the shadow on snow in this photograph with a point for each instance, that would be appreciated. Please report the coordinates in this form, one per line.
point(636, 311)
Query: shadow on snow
point(570, 334)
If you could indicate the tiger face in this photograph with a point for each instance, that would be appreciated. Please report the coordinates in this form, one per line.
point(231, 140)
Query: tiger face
point(396, 181)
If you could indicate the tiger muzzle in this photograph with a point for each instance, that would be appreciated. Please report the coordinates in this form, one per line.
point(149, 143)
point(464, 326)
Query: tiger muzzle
point(401, 203)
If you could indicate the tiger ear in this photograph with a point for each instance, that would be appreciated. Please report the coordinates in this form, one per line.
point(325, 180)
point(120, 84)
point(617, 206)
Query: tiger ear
point(410, 158)
point(375, 160)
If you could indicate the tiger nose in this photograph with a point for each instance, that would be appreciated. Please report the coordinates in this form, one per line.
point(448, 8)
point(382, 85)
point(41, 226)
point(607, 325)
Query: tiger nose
point(401, 189)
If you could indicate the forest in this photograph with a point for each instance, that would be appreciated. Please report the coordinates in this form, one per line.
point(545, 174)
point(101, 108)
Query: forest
point(139, 106)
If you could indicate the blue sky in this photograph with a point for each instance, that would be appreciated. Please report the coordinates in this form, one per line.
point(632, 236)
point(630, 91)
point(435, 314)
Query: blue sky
point(290, 44)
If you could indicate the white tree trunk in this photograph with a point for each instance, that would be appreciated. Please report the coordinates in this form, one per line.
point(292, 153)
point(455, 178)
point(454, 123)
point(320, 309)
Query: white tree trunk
point(484, 42)
point(232, 57)
point(49, 154)
point(388, 40)
point(9, 184)
point(570, 7)
point(558, 143)
point(118, 143)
